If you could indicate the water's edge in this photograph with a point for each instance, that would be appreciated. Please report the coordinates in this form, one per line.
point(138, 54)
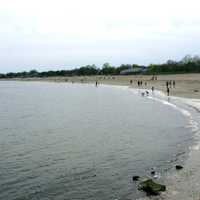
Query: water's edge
point(183, 184)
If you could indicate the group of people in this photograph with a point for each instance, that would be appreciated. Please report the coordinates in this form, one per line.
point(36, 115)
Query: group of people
point(169, 85)
point(139, 83)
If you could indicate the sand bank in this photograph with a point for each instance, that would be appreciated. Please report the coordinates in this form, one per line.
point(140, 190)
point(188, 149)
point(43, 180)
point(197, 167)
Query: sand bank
point(187, 85)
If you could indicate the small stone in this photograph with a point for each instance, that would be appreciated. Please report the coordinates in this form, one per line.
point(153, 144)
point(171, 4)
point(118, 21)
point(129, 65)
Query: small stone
point(178, 167)
point(135, 178)
point(153, 172)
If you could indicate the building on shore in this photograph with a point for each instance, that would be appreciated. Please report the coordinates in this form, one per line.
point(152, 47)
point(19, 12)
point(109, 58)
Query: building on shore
point(134, 70)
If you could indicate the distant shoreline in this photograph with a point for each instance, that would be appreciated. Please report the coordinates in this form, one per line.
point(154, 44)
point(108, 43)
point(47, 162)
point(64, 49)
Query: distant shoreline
point(187, 85)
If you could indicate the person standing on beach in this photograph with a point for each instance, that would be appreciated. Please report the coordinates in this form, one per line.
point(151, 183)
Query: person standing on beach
point(96, 83)
point(167, 91)
point(152, 89)
point(174, 84)
point(131, 81)
point(170, 83)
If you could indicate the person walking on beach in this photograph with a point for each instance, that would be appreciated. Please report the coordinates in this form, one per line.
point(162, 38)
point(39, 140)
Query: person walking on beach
point(131, 81)
point(167, 84)
point(174, 84)
point(170, 83)
point(96, 83)
point(152, 89)
point(167, 91)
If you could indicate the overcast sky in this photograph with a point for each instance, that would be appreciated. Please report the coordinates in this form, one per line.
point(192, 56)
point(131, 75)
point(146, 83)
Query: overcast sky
point(61, 34)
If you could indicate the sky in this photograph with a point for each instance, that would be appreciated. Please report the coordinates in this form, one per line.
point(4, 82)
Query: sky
point(64, 34)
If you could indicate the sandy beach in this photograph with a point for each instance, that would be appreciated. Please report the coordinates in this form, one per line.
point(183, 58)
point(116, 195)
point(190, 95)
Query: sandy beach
point(183, 184)
point(187, 85)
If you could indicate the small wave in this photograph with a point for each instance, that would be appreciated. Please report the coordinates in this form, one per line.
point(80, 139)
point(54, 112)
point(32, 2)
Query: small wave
point(191, 121)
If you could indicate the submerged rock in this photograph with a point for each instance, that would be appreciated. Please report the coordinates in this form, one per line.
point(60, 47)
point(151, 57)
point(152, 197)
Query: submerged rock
point(153, 172)
point(135, 178)
point(178, 167)
point(151, 188)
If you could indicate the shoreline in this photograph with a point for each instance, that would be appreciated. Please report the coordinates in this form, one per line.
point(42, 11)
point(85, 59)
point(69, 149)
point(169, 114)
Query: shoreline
point(182, 184)
point(187, 85)
point(185, 184)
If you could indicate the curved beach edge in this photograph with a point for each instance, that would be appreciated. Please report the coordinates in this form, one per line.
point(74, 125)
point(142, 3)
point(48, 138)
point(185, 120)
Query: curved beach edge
point(183, 184)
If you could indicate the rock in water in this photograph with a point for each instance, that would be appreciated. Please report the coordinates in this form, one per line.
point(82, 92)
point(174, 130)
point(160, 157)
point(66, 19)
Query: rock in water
point(178, 167)
point(151, 188)
point(135, 178)
point(153, 172)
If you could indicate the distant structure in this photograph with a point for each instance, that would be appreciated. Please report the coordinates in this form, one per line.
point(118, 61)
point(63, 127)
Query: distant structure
point(134, 70)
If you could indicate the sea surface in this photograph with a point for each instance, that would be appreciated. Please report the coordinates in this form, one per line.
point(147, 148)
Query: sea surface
point(63, 141)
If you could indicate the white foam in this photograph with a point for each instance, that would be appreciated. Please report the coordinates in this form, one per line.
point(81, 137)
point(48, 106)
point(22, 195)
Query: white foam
point(160, 96)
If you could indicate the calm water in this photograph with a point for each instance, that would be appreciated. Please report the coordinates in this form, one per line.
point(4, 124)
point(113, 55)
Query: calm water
point(68, 141)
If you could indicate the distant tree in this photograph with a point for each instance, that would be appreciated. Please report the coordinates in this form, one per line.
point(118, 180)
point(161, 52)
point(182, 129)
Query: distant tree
point(186, 59)
point(33, 73)
point(186, 65)
point(107, 69)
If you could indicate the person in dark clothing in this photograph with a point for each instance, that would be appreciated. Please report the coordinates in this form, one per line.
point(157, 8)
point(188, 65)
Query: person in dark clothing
point(167, 91)
point(174, 84)
point(170, 84)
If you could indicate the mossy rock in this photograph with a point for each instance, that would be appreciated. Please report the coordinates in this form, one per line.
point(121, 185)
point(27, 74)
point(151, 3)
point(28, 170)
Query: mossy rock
point(151, 188)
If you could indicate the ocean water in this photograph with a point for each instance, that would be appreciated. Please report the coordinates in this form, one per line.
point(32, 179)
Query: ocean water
point(71, 141)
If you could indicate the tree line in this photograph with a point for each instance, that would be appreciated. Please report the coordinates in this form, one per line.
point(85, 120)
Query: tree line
point(189, 64)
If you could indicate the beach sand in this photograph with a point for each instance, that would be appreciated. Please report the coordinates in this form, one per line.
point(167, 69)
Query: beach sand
point(187, 85)
point(183, 184)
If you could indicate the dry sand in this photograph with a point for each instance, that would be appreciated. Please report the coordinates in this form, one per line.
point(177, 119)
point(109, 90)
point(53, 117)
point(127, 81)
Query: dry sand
point(187, 85)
